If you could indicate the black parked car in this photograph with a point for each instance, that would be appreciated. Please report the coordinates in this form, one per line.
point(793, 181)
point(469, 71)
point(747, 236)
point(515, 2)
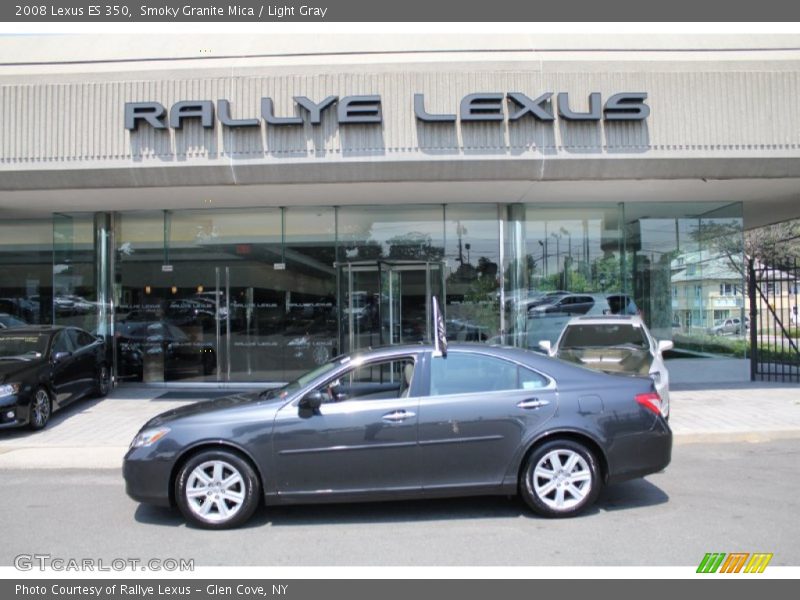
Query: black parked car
point(43, 368)
point(402, 422)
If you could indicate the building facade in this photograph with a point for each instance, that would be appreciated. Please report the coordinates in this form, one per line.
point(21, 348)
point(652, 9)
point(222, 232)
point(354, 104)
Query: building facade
point(236, 209)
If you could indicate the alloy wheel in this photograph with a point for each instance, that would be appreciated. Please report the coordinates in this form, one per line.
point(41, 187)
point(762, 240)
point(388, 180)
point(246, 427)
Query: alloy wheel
point(40, 409)
point(215, 491)
point(562, 479)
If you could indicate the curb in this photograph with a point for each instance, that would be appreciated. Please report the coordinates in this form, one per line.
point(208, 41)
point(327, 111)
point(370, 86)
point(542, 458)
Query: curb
point(97, 457)
point(720, 437)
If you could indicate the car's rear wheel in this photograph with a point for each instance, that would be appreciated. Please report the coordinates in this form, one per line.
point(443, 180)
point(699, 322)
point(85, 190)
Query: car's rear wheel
point(41, 408)
point(217, 489)
point(560, 479)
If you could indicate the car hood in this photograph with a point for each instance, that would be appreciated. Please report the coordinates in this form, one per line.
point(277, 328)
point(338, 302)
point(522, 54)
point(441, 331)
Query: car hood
point(632, 361)
point(9, 369)
point(216, 409)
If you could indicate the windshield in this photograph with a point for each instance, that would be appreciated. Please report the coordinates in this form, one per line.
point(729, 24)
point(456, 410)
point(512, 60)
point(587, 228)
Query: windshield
point(585, 336)
point(301, 381)
point(22, 345)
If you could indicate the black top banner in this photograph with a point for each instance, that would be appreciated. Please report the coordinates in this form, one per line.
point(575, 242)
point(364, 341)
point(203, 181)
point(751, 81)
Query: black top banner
point(311, 11)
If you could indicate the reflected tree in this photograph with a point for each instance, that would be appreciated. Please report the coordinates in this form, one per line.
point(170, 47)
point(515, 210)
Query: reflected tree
point(414, 246)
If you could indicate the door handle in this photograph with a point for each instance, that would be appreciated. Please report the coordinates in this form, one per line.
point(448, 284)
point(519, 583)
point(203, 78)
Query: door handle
point(533, 403)
point(398, 415)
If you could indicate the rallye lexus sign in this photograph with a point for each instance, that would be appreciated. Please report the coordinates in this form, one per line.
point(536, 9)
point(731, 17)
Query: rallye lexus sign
point(486, 107)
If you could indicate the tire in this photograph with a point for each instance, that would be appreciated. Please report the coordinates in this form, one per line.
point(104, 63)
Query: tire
point(568, 491)
point(201, 494)
point(41, 409)
point(103, 383)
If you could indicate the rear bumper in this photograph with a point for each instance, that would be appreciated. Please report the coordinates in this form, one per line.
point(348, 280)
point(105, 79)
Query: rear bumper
point(641, 454)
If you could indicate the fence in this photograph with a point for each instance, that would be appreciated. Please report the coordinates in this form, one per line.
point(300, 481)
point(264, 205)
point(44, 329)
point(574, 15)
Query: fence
point(773, 322)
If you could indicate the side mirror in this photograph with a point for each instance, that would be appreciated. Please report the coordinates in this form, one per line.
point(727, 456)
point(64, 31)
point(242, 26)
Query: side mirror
point(61, 356)
point(545, 345)
point(312, 400)
point(664, 345)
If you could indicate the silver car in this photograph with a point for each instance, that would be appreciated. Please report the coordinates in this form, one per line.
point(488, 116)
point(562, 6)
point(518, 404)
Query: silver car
point(619, 344)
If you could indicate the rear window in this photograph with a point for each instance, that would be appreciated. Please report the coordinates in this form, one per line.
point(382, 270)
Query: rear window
point(581, 336)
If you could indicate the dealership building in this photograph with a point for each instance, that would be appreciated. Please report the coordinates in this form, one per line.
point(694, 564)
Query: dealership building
point(236, 209)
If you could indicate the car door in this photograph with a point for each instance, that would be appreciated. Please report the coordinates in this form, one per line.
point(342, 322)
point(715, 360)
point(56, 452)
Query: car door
point(478, 411)
point(363, 439)
point(84, 360)
point(64, 378)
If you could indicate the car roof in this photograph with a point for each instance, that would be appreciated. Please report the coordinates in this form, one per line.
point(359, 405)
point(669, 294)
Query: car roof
point(39, 328)
point(501, 351)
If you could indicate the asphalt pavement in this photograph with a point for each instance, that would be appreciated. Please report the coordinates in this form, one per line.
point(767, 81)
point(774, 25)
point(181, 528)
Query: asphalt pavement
point(714, 497)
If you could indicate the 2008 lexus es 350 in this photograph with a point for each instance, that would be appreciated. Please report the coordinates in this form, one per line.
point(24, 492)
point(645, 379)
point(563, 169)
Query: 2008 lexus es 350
point(405, 422)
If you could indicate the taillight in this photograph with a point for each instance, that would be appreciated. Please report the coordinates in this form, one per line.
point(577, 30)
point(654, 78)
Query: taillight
point(651, 401)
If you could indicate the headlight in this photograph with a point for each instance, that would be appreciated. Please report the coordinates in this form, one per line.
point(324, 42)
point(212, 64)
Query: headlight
point(9, 389)
point(149, 437)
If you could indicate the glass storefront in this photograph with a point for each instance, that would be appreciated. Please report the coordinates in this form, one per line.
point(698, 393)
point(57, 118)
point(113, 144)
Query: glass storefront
point(233, 295)
point(263, 294)
point(677, 265)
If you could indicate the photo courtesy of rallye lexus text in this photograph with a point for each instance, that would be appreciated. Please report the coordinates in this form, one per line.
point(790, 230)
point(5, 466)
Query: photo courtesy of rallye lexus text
point(404, 422)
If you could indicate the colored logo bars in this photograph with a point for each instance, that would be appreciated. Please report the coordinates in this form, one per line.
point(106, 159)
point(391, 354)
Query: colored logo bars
point(735, 562)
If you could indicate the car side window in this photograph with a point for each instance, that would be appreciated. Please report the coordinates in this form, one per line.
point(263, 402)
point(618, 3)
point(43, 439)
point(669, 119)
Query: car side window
point(531, 380)
point(74, 339)
point(372, 381)
point(62, 343)
point(83, 339)
point(463, 373)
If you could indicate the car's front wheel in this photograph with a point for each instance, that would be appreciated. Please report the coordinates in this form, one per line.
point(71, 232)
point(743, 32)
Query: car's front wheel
point(103, 382)
point(41, 408)
point(560, 479)
point(217, 489)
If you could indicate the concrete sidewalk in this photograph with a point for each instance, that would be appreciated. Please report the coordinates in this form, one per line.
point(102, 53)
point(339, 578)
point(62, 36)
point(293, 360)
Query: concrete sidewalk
point(96, 433)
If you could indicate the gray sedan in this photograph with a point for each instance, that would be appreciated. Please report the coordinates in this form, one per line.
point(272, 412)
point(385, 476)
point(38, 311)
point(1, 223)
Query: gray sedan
point(405, 422)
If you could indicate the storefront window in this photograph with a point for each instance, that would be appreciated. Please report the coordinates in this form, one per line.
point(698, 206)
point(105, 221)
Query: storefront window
point(141, 289)
point(473, 272)
point(264, 294)
point(390, 263)
point(26, 272)
point(308, 325)
point(562, 263)
point(698, 250)
point(674, 264)
point(234, 295)
point(76, 272)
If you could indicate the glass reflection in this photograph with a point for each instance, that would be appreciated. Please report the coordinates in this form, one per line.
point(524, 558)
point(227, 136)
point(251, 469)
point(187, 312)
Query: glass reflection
point(26, 272)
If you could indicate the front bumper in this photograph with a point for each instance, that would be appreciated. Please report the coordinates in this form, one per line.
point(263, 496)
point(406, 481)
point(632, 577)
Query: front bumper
point(14, 411)
point(147, 477)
